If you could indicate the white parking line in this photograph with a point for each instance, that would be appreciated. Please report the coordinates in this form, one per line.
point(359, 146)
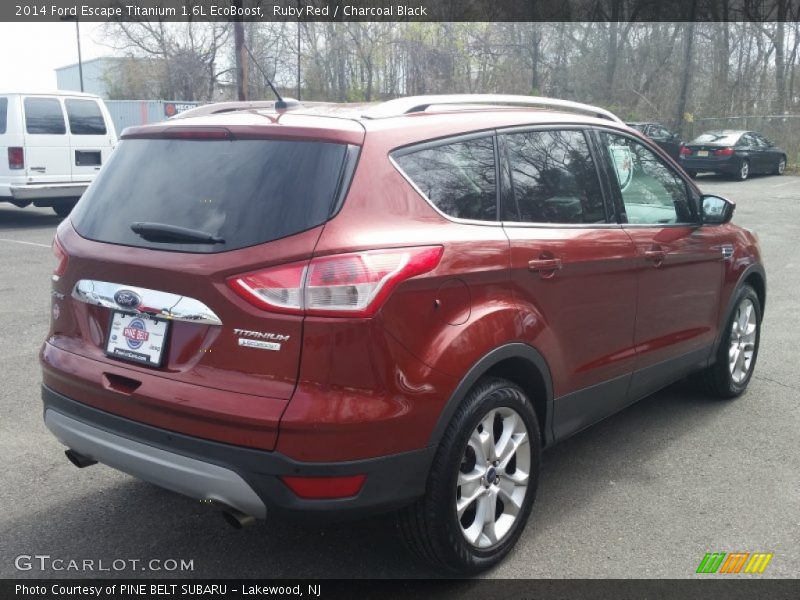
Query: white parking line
point(26, 243)
point(786, 183)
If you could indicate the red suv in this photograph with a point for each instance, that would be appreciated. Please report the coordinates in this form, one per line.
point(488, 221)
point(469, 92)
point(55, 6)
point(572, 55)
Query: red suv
point(341, 311)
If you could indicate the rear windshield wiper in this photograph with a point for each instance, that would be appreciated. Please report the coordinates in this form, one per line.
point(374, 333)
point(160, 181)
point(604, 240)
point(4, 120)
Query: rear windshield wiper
point(161, 232)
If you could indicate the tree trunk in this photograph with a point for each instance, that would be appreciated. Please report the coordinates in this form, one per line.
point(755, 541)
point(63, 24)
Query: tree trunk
point(686, 79)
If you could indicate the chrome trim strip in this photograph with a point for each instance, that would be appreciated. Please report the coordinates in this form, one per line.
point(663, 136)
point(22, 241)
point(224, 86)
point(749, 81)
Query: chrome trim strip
point(176, 472)
point(153, 302)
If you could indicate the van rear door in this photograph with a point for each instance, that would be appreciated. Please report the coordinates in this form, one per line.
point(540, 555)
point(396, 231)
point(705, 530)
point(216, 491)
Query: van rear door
point(91, 137)
point(46, 143)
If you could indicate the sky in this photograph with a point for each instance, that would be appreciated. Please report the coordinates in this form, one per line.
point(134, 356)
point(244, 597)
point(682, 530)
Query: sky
point(30, 51)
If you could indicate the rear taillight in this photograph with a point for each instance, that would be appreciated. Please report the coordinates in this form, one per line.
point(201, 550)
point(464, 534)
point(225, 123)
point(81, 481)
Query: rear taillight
point(724, 152)
point(686, 151)
point(353, 284)
point(61, 257)
point(16, 158)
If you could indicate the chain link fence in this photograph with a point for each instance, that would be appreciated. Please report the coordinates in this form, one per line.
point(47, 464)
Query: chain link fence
point(784, 130)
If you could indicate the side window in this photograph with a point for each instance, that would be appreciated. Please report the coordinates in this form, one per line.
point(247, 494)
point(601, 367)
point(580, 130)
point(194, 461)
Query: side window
point(3, 114)
point(44, 116)
point(554, 179)
point(85, 117)
point(746, 141)
point(651, 191)
point(658, 133)
point(458, 178)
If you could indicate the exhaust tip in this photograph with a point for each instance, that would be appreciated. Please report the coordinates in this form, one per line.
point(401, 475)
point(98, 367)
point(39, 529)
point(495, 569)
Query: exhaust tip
point(79, 460)
point(238, 520)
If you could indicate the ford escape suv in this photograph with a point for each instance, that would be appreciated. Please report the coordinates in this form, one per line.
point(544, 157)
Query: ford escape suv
point(343, 311)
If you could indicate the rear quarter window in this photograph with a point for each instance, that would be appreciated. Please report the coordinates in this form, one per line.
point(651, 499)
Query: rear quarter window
point(85, 117)
point(44, 116)
point(3, 114)
point(457, 178)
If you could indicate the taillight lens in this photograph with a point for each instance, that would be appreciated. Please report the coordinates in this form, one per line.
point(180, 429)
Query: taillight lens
point(686, 151)
point(321, 488)
point(724, 152)
point(353, 284)
point(16, 158)
point(61, 257)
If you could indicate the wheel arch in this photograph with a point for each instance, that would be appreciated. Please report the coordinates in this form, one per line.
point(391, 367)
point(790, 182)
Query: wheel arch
point(519, 363)
point(755, 277)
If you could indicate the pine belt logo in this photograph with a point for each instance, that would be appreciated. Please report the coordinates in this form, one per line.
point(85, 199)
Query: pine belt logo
point(730, 563)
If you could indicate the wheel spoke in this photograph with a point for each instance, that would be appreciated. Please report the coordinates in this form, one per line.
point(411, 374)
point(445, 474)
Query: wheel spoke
point(465, 502)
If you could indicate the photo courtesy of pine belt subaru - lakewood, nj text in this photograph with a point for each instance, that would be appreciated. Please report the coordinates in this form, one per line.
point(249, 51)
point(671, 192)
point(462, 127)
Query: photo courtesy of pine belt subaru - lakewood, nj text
point(339, 311)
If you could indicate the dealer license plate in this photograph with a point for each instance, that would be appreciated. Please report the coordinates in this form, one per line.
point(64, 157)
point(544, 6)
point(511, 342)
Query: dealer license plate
point(137, 338)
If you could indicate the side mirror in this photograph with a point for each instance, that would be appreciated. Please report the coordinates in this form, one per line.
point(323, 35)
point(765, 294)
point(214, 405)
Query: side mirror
point(716, 210)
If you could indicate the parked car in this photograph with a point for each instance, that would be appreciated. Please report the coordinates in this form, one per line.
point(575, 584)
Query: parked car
point(395, 308)
point(670, 142)
point(736, 153)
point(55, 144)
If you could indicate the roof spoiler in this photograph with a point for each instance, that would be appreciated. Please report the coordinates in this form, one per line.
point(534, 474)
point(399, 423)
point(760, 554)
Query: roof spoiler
point(228, 107)
point(418, 104)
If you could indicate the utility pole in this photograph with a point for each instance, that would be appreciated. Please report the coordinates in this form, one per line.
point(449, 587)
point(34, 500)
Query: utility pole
point(80, 60)
point(298, 59)
point(241, 59)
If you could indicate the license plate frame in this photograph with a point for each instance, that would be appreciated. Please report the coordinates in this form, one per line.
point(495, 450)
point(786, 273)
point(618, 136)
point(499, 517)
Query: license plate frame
point(119, 346)
point(702, 153)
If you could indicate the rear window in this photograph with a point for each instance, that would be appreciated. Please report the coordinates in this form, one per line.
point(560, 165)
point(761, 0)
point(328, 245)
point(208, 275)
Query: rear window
point(728, 139)
point(85, 117)
point(246, 192)
point(44, 116)
point(458, 178)
point(3, 114)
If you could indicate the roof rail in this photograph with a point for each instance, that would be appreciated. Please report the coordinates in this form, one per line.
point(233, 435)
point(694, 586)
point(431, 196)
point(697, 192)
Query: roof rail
point(417, 104)
point(227, 107)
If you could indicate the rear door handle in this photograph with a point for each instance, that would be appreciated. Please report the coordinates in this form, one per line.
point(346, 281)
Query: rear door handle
point(544, 264)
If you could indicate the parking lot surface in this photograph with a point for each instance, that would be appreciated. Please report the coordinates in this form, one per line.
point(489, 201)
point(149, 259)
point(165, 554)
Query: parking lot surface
point(646, 493)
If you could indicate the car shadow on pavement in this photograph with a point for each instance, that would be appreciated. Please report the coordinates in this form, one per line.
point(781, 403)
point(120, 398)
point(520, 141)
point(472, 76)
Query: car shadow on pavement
point(117, 517)
point(12, 218)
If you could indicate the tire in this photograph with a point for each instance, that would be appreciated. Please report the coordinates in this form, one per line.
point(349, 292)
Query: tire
point(692, 173)
point(722, 379)
point(744, 170)
point(63, 209)
point(780, 167)
point(431, 527)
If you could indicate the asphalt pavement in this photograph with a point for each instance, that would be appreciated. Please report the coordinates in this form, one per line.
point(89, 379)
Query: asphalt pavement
point(646, 493)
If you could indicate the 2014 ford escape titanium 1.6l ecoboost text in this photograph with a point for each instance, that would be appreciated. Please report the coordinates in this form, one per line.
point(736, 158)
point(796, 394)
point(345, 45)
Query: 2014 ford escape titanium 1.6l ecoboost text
point(328, 311)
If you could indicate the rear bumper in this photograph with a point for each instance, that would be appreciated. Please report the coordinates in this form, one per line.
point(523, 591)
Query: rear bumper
point(244, 478)
point(703, 164)
point(42, 191)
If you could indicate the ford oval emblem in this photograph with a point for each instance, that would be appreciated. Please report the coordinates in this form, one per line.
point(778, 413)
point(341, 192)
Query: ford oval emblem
point(127, 299)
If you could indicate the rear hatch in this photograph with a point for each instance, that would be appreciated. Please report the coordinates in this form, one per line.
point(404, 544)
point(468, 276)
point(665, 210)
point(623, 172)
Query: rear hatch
point(149, 252)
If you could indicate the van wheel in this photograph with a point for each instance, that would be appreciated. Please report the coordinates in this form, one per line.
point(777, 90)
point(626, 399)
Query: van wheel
point(63, 209)
point(738, 349)
point(482, 484)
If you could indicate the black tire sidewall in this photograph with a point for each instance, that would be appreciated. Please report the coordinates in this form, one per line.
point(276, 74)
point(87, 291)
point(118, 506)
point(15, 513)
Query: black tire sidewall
point(458, 554)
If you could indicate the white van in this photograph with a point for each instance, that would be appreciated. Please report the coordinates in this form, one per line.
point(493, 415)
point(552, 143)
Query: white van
point(51, 147)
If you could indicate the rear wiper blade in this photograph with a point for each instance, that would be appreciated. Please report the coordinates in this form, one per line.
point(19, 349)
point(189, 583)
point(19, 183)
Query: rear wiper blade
point(161, 232)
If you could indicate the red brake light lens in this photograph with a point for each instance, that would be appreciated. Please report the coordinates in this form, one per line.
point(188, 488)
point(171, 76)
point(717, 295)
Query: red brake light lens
point(353, 284)
point(686, 151)
point(724, 152)
point(16, 158)
point(320, 488)
point(61, 257)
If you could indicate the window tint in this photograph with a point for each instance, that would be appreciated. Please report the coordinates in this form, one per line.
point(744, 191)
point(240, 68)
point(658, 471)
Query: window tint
point(553, 179)
point(716, 137)
point(85, 117)
point(3, 114)
point(44, 115)
point(651, 191)
point(458, 178)
point(659, 133)
point(246, 192)
point(747, 141)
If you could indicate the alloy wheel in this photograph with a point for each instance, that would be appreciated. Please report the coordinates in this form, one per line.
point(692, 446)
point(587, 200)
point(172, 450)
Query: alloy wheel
point(493, 477)
point(744, 170)
point(781, 166)
point(742, 341)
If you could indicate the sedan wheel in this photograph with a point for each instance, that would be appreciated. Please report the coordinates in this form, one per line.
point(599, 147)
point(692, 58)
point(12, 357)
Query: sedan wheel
point(744, 170)
point(781, 167)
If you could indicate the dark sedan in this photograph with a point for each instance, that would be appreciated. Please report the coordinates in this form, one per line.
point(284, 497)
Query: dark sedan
point(736, 153)
point(670, 142)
